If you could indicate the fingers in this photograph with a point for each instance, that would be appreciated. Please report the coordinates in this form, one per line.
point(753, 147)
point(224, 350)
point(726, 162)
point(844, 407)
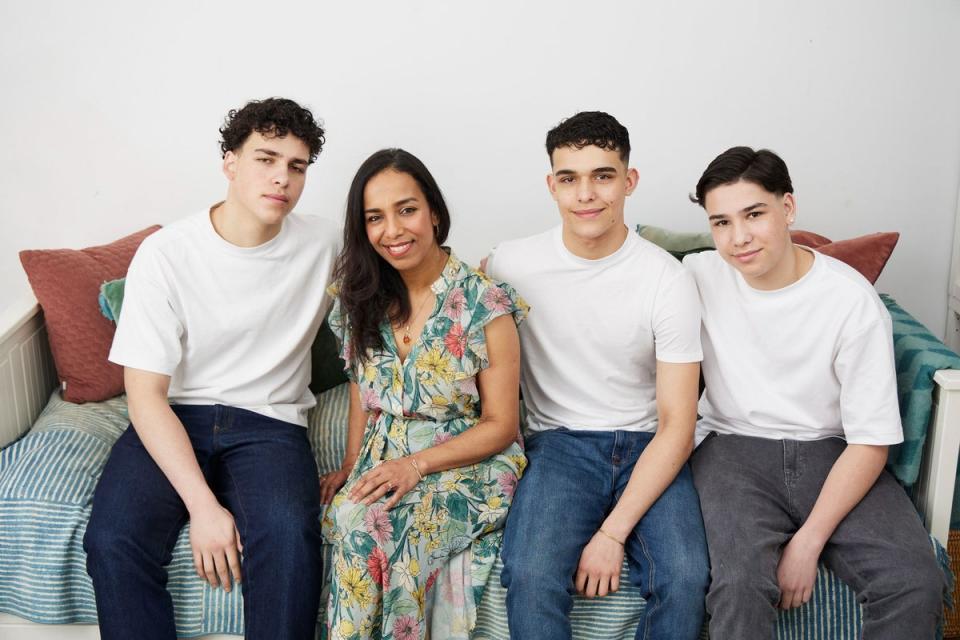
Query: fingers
point(233, 564)
point(198, 565)
point(223, 569)
point(398, 494)
point(378, 493)
point(210, 570)
point(581, 582)
point(615, 583)
point(790, 599)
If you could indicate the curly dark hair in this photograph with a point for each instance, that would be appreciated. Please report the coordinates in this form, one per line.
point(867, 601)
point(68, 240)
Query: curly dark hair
point(763, 167)
point(274, 116)
point(371, 289)
point(590, 128)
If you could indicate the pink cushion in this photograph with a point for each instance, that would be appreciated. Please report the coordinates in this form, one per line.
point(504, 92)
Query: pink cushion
point(67, 282)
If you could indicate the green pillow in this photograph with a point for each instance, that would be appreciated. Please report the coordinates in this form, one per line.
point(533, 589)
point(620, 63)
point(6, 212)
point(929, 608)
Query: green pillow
point(678, 244)
point(327, 368)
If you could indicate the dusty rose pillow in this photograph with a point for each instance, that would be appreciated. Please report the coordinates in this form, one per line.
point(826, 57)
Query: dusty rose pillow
point(67, 283)
point(808, 238)
point(867, 254)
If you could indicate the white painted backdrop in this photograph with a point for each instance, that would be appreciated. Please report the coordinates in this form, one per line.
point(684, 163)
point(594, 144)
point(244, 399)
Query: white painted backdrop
point(109, 110)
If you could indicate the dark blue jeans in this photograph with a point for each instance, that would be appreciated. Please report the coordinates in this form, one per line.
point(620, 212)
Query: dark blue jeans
point(263, 472)
point(572, 482)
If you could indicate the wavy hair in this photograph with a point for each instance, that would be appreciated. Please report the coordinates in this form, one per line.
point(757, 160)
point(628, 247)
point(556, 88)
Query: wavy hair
point(588, 128)
point(275, 117)
point(370, 288)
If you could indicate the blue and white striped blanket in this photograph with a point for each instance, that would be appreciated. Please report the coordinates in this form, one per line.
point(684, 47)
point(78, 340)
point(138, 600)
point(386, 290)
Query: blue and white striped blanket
point(46, 486)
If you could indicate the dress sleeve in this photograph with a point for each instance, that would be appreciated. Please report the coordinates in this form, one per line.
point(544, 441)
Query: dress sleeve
point(492, 300)
point(341, 330)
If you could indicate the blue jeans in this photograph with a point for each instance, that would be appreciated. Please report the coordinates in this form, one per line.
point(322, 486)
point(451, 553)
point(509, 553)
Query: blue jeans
point(263, 472)
point(572, 482)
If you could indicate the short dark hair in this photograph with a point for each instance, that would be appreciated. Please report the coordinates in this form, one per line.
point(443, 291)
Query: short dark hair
point(590, 128)
point(370, 288)
point(274, 116)
point(763, 167)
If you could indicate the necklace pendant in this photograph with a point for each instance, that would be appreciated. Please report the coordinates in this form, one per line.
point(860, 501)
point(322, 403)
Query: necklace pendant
point(406, 338)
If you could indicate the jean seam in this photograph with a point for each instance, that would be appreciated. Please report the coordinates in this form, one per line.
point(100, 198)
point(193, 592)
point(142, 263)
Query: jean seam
point(651, 574)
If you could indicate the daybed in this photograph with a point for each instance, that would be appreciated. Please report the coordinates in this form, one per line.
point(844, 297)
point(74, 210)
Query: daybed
point(53, 451)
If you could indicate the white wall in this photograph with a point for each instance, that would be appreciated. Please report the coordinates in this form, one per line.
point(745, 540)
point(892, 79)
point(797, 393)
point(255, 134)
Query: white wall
point(110, 111)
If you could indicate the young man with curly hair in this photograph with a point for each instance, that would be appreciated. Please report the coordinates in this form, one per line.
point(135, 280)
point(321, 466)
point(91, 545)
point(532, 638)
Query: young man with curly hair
point(214, 336)
point(609, 375)
point(799, 410)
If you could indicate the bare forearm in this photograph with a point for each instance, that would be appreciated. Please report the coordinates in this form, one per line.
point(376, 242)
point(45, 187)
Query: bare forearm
point(850, 478)
point(486, 438)
point(356, 424)
point(167, 442)
point(655, 469)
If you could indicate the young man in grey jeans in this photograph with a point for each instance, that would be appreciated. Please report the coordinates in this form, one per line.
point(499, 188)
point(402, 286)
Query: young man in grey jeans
point(799, 410)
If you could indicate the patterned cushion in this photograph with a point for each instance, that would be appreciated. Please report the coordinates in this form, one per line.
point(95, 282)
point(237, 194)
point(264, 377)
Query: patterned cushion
point(67, 283)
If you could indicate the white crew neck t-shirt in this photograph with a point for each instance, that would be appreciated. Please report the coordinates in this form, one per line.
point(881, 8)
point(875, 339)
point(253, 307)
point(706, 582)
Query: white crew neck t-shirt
point(230, 325)
point(597, 328)
point(810, 361)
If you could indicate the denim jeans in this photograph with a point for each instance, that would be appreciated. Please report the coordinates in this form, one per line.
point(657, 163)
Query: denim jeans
point(755, 494)
point(572, 482)
point(263, 472)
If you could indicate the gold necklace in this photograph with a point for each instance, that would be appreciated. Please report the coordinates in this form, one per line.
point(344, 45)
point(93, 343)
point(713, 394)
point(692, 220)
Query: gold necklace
point(406, 329)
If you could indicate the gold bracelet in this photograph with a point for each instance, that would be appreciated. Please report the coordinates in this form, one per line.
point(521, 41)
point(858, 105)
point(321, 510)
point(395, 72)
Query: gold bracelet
point(416, 467)
point(610, 536)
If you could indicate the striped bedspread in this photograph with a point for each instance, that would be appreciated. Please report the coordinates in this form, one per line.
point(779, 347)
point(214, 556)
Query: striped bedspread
point(46, 487)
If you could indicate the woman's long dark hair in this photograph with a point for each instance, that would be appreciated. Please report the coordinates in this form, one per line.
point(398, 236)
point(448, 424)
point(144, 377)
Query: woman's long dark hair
point(370, 288)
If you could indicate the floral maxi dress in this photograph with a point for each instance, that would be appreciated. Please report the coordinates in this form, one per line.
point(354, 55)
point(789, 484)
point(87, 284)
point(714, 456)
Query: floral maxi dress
point(386, 564)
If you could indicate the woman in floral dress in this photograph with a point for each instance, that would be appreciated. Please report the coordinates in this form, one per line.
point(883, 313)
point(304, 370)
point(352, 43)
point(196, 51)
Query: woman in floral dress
point(432, 350)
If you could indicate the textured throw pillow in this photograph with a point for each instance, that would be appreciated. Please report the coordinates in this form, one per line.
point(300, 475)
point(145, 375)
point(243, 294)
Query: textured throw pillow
point(808, 238)
point(327, 367)
point(66, 283)
point(867, 254)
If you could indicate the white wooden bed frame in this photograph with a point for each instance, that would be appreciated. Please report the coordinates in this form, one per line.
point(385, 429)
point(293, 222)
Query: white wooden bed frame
point(27, 376)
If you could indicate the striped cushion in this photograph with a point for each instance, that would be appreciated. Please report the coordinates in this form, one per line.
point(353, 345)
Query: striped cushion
point(46, 487)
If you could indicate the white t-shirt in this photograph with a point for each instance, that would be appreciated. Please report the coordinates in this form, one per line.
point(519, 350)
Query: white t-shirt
point(597, 328)
point(230, 325)
point(810, 361)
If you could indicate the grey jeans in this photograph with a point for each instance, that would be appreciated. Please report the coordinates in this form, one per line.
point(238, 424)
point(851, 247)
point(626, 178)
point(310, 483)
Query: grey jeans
point(755, 493)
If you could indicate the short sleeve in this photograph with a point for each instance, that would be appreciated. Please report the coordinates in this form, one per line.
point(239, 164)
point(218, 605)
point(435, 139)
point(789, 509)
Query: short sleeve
point(149, 329)
point(676, 319)
point(491, 300)
point(339, 327)
point(865, 367)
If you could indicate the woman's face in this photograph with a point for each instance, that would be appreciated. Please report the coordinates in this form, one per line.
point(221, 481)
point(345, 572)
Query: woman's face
point(399, 223)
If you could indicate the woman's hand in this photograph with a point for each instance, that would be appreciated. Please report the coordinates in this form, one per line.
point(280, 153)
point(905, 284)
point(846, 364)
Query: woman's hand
point(331, 482)
point(397, 476)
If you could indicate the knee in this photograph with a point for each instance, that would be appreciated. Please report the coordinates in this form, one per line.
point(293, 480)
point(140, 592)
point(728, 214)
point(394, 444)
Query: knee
point(532, 572)
point(740, 585)
point(918, 588)
point(105, 538)
point(293, 532)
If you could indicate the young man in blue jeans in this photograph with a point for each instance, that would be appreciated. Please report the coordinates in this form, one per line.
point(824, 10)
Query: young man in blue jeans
point(214, 336)
point(609, 375)
point(799, 410)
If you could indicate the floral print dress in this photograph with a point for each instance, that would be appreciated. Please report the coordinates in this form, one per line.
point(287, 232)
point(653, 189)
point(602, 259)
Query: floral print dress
point(386, 563)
